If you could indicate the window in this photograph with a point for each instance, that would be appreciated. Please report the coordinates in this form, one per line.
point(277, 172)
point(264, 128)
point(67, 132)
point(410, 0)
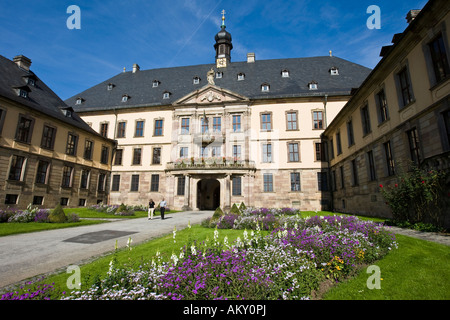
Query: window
point(184, 152)
point(404, 85)
point(241, 77)
point(71, 148)
point(439, 58)
point(42, 171)
point(236, 123)
point(216, 151)
point(333, 180)
point(372, 171)
point(48, 137)
point(322, 181)
point(134, 182)
point(125, 98)
point(155, 83)
point(338, 143)
point(64, 201)
point(196, 80)
point(291, 118)
point(121, 127)
point(180, 186)
point(265, 88)
point(185, 126)
point(158, 127)
point(23, 93)
point(389, 159)
point(204, 125)
point(236, 152)
point(365, 118)
point(293, 152)
point(24, 129)
point(67, 177)
point(268, 182)
point(11, 199)
point(267, 152)
point(217, 124)
point(2, 119)
point(166, 95)
point(15, 171)
point(115, 182)
point(204, 152)
point(101, 182)
point(139, 132)
point(266, 122)
point(383, 113)
point(104, 129)
point(331, 149)
point(285, 74)
point(319, 151)
point(295, 181)
point(313, 85)
point(137, 152)
point(354, 168)
point(156, 156)
point(81, 202)
point(38, 200)
point(350, 134)
point(110, 86)
point(237, 183)
point(104, 155)
point(318, 120)
point(219, 75)
point(118, 157)
point(413, 139)
point(334, 71)
point(84, 181)
point(79, 101)
point(154, 186)
point(341, 170)
point(88, 150)
point(446, 117)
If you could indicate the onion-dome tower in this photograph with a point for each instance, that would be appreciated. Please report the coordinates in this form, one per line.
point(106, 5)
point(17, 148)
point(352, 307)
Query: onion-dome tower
point(223, 45)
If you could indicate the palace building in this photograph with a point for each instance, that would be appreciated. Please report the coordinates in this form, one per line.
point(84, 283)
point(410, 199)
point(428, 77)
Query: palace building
point(48, 154)
point(212, 135)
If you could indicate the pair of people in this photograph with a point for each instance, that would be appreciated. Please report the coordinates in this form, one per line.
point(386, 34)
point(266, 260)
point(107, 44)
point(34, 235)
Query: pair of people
point(151, 208)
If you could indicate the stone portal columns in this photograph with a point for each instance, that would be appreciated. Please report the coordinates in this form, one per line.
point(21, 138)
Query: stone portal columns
point(187, 188)
point(227, 204)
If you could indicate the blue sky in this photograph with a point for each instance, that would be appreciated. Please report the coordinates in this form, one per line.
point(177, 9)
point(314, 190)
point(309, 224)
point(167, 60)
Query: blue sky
point(168, 33)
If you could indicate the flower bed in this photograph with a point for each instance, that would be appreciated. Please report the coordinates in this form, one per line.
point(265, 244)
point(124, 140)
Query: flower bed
point(289, 263)
point(31, 214)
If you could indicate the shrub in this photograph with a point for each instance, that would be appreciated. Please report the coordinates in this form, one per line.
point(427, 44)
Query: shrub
point(57, 215)
point(235, 210)
point(419, 196)
point(242, 207)
point(22, 217)
point(5, 215)
point(73, 217)
point(217, 214)
point(42, 216)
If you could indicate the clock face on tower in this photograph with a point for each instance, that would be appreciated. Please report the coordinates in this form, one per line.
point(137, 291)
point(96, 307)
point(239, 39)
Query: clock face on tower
point(221, 62)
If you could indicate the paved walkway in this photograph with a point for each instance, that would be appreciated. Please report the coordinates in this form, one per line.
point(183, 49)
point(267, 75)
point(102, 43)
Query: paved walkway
point(28, 255)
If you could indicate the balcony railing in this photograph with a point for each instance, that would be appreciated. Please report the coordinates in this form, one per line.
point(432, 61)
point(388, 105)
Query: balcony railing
point(211, 163)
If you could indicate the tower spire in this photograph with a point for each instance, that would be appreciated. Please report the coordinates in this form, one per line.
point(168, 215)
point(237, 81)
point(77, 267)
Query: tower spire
point(223, 45)
point(223, 19)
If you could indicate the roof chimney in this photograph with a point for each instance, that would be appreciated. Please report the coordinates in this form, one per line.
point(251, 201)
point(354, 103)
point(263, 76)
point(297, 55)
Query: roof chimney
point(412, 14)
point(136, 68)
point(23, 62)
point(250, 57)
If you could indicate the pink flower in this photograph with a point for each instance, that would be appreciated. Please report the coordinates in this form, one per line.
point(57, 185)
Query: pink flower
point(381, 186)
point(396, 185)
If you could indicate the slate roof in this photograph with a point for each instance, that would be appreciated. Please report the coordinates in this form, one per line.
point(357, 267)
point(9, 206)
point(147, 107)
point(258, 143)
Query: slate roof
point(179, 82)
point(40, 97)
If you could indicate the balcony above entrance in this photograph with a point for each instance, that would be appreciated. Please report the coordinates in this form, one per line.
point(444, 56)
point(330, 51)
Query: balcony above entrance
point(215, 163)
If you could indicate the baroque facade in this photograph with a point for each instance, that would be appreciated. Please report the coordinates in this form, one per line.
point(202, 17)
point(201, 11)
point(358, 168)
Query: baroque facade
point(398, 118)
point(48, 154)
point(212, 135)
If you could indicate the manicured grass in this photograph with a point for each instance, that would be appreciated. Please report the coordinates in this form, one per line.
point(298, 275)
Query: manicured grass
point(7, 229)
point(417, 270)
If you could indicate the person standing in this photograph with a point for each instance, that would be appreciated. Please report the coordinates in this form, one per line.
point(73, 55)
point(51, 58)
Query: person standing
point(162, 207)
point(151, 209)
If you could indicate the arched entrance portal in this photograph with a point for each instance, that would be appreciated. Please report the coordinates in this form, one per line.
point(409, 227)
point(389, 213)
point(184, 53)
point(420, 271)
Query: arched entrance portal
point(208, 194)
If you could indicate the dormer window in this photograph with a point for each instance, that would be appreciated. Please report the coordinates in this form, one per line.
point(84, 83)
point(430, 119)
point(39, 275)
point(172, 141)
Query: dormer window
point(285, 74)
point(313, 85)
point(166, 95)
point(125, 98)
point(241, 76)
point(155, 83)
point(31, 82)
point(265, 87)
point(219, 75)
point(196, 80)
point(110, 86)
point(23, 93)
point(334, 71)
point(79, 101)
point(67, 112)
